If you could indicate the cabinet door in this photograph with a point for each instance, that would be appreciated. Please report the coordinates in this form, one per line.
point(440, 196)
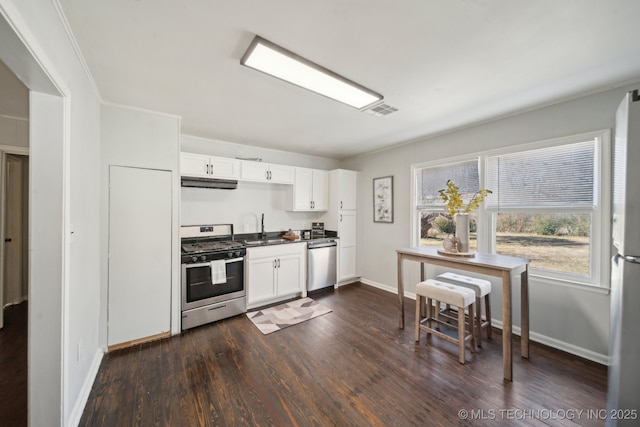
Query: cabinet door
point(347, 228)
point(280, 174)
point(139, 293)
point(261, 284)
point(290, 274)
point(194, 165)
point(222, 167)
point(302, 189)
point(347, 233)
point(347, 268)
point(320, 190)
point(253, 171)
point(348, 189)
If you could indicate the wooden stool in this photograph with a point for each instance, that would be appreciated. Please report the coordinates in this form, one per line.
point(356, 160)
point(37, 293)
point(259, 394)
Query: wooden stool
point(482, 288)
point(453, 295)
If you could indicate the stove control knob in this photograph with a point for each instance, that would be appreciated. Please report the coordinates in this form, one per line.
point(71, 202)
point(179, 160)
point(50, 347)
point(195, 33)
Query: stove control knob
point(203, 257)
point(194, 258)
point(230, 254)
point(237, 253)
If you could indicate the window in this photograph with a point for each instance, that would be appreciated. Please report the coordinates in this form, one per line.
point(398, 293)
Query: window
point(550, 203)
point(434, 222)
point(544, 205)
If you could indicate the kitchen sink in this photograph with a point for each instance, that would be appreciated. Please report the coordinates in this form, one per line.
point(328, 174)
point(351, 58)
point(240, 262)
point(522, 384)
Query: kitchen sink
point(263, 242)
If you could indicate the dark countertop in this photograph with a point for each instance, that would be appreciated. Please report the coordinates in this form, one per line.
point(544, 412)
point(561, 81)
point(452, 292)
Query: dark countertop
point(275, 238)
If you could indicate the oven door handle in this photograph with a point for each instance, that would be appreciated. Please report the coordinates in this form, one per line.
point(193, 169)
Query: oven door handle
point(207, 264)
point(201, 264)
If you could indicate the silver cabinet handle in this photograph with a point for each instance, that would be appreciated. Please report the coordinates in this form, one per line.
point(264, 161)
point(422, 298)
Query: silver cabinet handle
point(340, 204)
point(278, 262)
point(340, 217)
point(270, 175)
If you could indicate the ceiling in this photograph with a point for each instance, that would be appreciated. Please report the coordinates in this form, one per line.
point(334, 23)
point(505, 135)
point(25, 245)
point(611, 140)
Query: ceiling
point(444, 64)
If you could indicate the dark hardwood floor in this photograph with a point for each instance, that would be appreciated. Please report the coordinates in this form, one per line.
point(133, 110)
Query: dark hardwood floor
point(13, 366)
point(351, 367)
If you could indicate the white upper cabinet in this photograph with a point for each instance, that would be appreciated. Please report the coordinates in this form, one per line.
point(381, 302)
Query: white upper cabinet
point(343, 189)
point(266, 172)
point(203, 166)
point(310, 190)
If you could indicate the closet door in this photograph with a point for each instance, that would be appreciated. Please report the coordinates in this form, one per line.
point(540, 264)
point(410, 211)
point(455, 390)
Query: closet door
point(139, 255)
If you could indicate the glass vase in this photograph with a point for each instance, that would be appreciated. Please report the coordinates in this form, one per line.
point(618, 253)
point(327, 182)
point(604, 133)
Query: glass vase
point(462, 232)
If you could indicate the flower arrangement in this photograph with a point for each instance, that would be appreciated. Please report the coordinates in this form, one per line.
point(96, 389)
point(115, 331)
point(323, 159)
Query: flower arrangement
point(453, 200)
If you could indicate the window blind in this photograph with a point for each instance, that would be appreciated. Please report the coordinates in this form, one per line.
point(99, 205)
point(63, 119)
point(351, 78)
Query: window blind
point(431, 179)
point(553, 177)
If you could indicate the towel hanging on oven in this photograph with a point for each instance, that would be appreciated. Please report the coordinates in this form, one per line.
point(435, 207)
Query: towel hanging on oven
point(218, 272)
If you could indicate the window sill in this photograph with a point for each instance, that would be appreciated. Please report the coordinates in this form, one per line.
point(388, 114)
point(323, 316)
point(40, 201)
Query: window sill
point(575, 284)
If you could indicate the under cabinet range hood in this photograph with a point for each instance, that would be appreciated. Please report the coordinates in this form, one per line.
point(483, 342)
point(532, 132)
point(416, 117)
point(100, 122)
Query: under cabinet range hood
point(224, 184)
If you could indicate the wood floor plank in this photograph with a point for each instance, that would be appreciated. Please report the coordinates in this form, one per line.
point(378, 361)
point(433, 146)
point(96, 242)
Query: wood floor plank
point(350, 367)
point(13, 366)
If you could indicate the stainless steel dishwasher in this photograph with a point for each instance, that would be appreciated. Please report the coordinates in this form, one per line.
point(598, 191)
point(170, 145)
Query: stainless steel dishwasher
point(322, 264)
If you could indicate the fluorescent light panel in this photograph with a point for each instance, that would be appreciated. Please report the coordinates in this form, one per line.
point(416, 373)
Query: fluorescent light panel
point(262, 55)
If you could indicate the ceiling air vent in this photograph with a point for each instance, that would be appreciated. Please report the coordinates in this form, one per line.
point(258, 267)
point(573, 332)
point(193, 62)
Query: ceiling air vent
point(381, 110)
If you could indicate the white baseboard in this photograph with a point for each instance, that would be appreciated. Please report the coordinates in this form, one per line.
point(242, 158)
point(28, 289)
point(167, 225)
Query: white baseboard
point(584, 353)
point(83, 396)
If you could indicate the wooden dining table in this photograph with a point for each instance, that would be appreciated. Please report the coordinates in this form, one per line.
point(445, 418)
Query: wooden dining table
point(502, 266)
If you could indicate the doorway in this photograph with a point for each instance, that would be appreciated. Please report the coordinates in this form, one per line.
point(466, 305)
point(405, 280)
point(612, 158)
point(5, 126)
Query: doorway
point(15, 260)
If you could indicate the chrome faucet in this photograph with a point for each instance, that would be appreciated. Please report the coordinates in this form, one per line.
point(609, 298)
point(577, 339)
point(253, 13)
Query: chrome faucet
point(262, 233)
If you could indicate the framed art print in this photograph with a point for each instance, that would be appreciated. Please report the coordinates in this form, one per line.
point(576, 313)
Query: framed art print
point(383, 199)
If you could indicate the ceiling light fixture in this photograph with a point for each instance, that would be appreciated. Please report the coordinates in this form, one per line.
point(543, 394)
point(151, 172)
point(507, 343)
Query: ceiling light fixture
point(262, 55)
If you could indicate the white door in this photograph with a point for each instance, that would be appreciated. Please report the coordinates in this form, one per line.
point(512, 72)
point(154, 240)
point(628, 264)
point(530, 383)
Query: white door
point(15, 282)
point(139, 254)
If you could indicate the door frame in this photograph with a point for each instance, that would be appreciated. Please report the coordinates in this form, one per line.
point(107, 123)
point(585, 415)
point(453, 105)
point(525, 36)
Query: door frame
point(49, 189)
point(4, 150)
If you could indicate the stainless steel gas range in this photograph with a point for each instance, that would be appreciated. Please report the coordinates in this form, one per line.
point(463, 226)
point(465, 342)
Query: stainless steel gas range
point(212, 274)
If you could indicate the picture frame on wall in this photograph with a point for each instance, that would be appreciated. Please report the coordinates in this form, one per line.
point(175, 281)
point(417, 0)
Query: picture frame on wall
point(383, 199)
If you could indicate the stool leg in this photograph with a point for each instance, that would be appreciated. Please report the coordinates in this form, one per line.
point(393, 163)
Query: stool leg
point(418, 317)
point(487, 313)
point(472, 327)
point(461, 334)
point(429, 314)
point(437, 314)
point(479, 320)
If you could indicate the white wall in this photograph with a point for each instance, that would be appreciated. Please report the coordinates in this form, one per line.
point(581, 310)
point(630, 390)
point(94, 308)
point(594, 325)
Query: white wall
point(14, 109)
point(574, 319)
point(14, 132)
point(64, 150)
point(243, 207)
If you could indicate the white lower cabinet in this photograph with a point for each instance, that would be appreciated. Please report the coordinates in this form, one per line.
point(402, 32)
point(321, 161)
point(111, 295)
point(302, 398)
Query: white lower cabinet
point(275, 272)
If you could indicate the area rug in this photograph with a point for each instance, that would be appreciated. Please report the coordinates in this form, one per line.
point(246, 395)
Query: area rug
point(284, 315)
